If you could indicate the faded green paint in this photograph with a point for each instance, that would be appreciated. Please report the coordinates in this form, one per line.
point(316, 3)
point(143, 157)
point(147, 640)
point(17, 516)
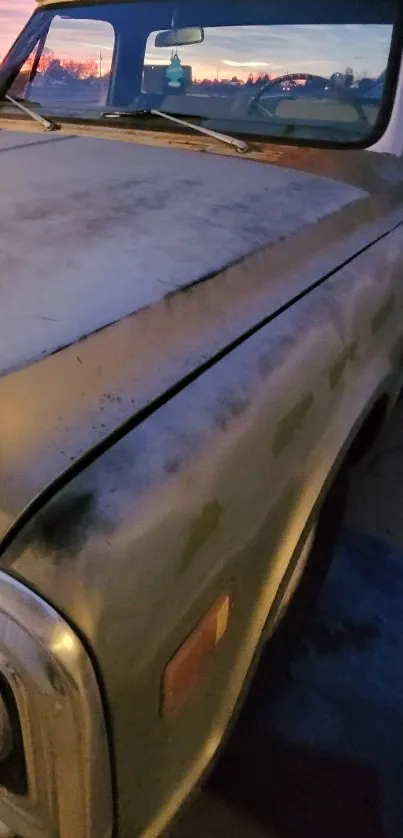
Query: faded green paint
point(382, 315)
point(283, 509)
point(396, 354)
point(291, 423)
point(201, 530)
point(338, 369)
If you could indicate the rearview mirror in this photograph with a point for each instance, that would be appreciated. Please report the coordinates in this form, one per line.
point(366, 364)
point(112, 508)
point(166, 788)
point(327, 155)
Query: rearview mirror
point(180, 37)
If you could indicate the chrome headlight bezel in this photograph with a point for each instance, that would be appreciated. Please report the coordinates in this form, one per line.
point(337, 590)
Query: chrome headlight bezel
point(62, 723)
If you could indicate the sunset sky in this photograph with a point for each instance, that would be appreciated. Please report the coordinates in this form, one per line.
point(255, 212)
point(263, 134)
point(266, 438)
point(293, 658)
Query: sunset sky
point(13, 15)
point(321, 49)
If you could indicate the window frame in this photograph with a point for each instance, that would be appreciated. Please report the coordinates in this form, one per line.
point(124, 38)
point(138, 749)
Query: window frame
point(392, 75)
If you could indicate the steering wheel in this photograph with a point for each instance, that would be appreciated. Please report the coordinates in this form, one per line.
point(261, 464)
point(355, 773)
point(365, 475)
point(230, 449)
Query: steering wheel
point(338, 94)
point(255, 101)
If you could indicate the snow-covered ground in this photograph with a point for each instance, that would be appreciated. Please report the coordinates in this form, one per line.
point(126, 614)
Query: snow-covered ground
point(325, 759)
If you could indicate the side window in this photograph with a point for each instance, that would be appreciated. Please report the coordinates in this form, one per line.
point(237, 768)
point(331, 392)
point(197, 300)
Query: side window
point(70, 66)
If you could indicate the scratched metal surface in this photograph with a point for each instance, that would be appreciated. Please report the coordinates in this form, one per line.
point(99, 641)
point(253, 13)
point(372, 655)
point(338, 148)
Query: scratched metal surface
point(117, 371)
point(121, 227)
point(196, 499)
point(214, 488)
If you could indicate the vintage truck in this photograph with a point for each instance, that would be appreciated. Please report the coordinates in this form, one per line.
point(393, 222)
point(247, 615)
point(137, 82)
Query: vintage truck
point(201, 330)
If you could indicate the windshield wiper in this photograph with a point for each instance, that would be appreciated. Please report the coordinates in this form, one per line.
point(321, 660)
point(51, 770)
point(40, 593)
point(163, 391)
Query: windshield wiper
point(240, 146)
point(47, 124)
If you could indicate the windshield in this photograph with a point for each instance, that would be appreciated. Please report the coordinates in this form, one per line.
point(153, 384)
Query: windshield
point(290, 70)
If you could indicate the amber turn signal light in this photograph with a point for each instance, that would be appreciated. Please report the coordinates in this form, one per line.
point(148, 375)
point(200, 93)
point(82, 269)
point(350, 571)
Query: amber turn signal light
point(186, 669)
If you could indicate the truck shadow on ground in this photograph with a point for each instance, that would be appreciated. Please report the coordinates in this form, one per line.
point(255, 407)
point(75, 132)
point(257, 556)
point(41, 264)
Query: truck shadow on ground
point(324, 757)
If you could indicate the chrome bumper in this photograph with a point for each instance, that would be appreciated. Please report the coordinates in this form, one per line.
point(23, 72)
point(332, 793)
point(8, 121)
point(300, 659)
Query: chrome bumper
point(56, 780)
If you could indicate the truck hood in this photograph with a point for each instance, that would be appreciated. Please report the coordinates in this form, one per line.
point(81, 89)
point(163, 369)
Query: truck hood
point(94, 233)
